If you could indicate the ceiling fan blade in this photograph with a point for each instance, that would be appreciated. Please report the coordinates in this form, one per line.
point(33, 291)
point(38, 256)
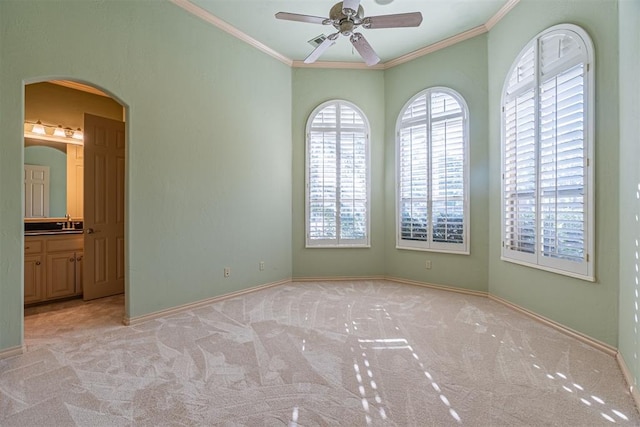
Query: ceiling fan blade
point(364, 49)
point(326, 44)
point(350, 5)
point(413, 19)
point(302, 18)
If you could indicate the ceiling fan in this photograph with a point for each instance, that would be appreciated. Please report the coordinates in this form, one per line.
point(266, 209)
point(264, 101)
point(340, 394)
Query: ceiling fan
point(346, 16)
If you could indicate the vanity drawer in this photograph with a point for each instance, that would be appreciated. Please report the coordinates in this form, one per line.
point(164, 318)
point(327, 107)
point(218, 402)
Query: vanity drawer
point(32, 246)
point(69, 243)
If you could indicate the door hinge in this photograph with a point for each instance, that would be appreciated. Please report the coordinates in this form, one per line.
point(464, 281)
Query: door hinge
point(587, 257)
point(588, 67)
point(588, 162)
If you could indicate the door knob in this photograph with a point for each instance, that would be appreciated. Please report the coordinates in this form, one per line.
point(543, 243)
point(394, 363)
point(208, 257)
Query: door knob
point(91, 231)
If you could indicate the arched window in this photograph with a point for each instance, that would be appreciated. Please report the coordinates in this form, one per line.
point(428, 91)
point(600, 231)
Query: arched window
point(433, 172)
point(337, 174)
point(547, 154)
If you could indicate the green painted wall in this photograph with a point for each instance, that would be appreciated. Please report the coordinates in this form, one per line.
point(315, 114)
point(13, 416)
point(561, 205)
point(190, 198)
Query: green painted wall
point(462, 67)
point(57, 162)
point(629, 317)
point(590, 308)
point(364, 88)
point(209, 145)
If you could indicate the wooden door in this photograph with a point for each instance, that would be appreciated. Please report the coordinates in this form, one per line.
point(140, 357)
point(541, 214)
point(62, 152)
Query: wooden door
point(104, 157)
point(36, 191)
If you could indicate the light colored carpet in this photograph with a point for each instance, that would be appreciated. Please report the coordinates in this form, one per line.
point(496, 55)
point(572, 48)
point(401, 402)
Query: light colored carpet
point(324, 353)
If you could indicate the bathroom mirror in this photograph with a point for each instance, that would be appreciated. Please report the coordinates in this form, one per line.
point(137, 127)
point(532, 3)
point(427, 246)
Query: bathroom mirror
point(50, 156)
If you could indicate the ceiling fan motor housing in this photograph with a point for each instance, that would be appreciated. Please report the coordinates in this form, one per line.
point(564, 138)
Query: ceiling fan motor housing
point(343, 23)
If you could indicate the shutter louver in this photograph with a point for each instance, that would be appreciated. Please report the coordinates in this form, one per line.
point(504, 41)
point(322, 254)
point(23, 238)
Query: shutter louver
point(524, 72)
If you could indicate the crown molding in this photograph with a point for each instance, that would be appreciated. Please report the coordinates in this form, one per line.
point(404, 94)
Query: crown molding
point(230, 29)
point(450, 41)
point(481, 29)
point(338, 65)
point(506, 8)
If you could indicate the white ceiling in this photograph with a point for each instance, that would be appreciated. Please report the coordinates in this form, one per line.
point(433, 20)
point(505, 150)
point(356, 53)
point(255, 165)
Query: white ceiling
point(442, 19)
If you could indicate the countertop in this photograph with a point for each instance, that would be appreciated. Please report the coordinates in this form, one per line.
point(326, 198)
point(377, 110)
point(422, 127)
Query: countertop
point(51, 232)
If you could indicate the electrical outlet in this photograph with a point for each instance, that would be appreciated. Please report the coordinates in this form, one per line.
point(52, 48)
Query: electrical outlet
point(261, 266)
point(227, 272)
point(427, 264)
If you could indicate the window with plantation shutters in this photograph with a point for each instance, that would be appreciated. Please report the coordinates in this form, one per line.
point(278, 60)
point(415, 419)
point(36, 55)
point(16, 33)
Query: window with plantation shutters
point(432, 173)
point(547, 160)
point(337, 176)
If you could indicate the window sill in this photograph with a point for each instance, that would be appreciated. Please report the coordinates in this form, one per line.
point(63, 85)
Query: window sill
point(444, 251)
point(364, 246)
point(587, 278)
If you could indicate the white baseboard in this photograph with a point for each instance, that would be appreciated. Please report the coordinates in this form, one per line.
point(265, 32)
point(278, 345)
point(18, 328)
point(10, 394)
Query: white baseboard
point(336, 278)
point(606, 348)
point(129, 321)
point(12, 351)
point(631, 382)
point(438, 287)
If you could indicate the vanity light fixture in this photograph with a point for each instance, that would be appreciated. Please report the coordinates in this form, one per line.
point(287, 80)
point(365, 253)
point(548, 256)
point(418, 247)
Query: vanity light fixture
point(53, 133)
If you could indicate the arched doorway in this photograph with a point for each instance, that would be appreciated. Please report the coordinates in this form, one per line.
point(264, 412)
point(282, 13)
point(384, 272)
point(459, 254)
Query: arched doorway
point(75, 247)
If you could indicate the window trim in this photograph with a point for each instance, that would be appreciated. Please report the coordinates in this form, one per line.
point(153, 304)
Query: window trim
point(326, 243)
point(429, 245)
point(553, 265)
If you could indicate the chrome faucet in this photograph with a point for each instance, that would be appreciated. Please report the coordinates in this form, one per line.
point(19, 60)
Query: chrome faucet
point(68, 223)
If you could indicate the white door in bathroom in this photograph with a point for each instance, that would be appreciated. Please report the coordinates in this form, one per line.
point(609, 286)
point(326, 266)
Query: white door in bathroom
point(104, 167)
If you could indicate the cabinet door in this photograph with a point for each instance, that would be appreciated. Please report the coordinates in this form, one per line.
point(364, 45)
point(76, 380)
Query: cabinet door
point(33, 270)
point(79, 272)
point(61, 274)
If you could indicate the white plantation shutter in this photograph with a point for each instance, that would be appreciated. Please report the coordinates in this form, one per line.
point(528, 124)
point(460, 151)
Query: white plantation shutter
point(546, 191)
point(337, 176)
point(432, 173)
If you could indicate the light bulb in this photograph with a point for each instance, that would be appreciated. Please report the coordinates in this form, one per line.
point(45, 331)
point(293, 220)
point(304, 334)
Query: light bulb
point(78, 134)
point(59, 131)
point(38, 128)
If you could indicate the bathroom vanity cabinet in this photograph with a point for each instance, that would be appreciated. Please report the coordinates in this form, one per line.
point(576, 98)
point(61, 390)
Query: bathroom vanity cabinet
point(52, 267)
